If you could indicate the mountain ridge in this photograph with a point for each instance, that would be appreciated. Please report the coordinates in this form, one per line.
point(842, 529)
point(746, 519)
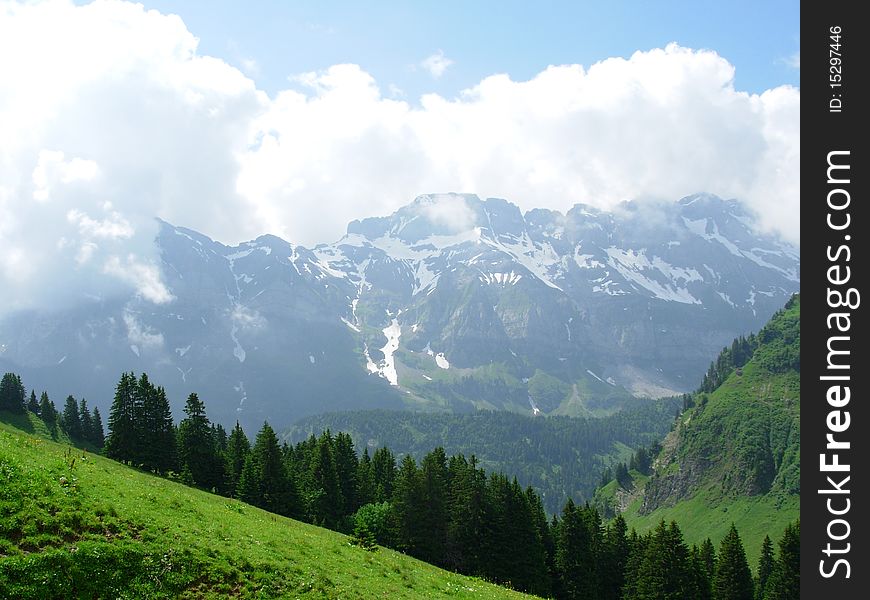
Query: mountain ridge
point(452, 303)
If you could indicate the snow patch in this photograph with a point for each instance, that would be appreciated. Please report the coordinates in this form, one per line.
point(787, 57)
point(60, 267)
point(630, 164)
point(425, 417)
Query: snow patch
point(182, 351)
point(441, 361)
point(349, 324)
point(312, 359)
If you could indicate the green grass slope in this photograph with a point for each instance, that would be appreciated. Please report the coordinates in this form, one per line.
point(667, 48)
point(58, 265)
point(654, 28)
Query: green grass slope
point(735, 455)
point(77, 525)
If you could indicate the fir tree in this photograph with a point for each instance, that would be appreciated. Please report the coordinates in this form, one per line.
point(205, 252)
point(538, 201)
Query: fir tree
point(614, 559)
point(325, 500)
point(12, 393)
point(122, 442)
point(664, 573)
point(733, 579)
point(765, 567)
point(47, 411)
point(433, 525)
point(195, 445)
point(575, 561)
point(97, 435)
point(238, 448)
point(84, 421)
point(784, 582)
point(407, 502)
point(70, 418)
point(32, 403)
point(264, 480)
point(708, 558)
point(365, 481)
point(384, 474)
point(346, 466)
point(465, 505)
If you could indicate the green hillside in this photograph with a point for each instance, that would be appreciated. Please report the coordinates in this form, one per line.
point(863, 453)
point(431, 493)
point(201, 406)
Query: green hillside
point(73, 524)
point(734, 453)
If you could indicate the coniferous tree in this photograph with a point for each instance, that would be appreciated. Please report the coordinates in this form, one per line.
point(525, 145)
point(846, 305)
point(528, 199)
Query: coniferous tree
point(664, 573)
point(264, 481)
point(70, 419)
point(346, 466)
point(384, 474)
point(708, 558)
point(701, 581)
point(12, 393)
point(325, 500)
point(614, 558)
point(238, 448)
point(765, 567)
point(407, 502)
point(784, 582)
point(97, 435)
point(195, 445)
point(121, 441)
point(47, 411)
point(32, 403)
point(733, 579)
point(162, 433)
point(365, 481)
point(84, 421)
point(466, 509)
point(433, 488)
point(574, 556)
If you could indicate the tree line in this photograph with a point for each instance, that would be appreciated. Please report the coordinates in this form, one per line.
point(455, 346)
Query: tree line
point(445, 510)
point(76, 420)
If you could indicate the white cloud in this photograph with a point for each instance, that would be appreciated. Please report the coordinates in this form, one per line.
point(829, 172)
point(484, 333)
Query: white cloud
point(142, 336)
point(794, 60)
point(110, 117)
point(436, 64)
point(144, 277)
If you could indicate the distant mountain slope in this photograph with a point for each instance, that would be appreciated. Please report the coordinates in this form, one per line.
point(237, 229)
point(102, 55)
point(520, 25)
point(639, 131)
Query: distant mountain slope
point(451, 303)
point(734, 455)
point(77, 525)
point(559, 457)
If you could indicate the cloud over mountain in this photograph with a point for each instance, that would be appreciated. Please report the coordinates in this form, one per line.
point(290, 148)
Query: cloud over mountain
point(109, 117)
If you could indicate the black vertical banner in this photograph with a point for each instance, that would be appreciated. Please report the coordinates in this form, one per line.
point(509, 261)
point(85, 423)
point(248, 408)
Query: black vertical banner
point(835, 420)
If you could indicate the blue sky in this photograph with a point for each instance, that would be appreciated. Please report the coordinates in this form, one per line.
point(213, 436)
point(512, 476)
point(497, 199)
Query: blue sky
point(391, 39)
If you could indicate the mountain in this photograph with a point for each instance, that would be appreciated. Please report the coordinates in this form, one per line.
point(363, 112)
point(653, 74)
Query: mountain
point(452, 303)
point(734, 454)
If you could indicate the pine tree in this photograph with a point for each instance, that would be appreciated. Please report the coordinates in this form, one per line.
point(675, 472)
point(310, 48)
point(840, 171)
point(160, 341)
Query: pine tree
point(701, 581)
point(433, 527)
point(407, 502)
point(12, 393)
point(384, 474)
point(664, 573)
point(765, 566)
point(325, 501)
point(346, 466)
point(708, 558)
point(121, 442)
point(70, 419)
point(97, 435)
point(365, 481)
point(32, 403)
point(575, 561)
point(785, 580)
point(238, 448)
point(195, 445)
point(84, 421)
point(614, 558)
point(163, 434)
point(466, 509)
point(264, 481)
point(733, 579)
point(47, 411)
